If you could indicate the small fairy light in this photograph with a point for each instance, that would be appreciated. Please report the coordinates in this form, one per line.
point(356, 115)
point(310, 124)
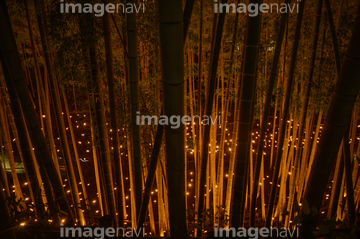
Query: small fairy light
point(22, 224)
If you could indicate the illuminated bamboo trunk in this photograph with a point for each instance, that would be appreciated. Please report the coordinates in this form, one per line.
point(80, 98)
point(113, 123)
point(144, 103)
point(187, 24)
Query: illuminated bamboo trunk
point(150, 176)
point(3, 100)
point(132, 183)
point(285, 112)
point(134, 101)
point(199, 109)
point(58, 110)
point(12, 128)
point(150, 205)
point(48, 122)
point(266, 112)
point(273, 136)
point(196, 123)
point(352, 131)
point(24, 145)
point(160, 193)
point(18, 83)
point(356, 170)
point(347, 157)
point(288, 160)
point(357, 181)
point(306, 154)
point(337, 120)
point(149, 209)
point(207, 186)
point(336, 185)
point(220, 168)
point(125, 215)
point(73, 140)
point(44, 107)
point(152, 219)
point(103, 134)
point(165, 191)
point(315, 37)
point(306, 151)
point(340, 212)
point(5, 135)
point(313, 147)
point(186, 130)
point(3, 176)
point(283, 173)
point(294, 185)
point(212, 180)
point(230, 175)
point(278, 110)
point(262, 190)
point(96, 167)
point(113, 117)
point(288, 170)
point(193, 127)
point(251, 169)
point(209, 96)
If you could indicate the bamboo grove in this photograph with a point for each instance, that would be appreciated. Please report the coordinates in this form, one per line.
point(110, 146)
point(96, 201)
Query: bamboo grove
point(283, 151)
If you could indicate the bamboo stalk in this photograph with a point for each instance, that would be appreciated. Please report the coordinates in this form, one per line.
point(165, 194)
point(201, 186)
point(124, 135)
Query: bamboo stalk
point(285, 111)
point(76, 153)
point(5, 135)
point(96, 168)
